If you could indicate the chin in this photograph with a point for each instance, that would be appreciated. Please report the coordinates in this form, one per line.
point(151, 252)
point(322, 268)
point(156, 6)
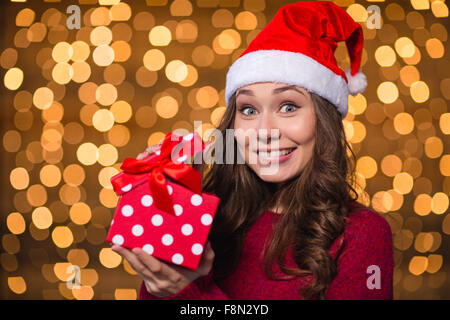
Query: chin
point(278, 177)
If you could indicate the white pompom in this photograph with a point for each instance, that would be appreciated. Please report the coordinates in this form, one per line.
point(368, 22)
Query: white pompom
point(357, 83)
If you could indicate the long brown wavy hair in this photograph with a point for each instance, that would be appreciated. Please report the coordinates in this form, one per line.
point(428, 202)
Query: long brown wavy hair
point(315, 203)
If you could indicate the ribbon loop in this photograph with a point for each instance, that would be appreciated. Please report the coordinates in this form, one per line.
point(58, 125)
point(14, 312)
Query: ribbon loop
point(155, 167)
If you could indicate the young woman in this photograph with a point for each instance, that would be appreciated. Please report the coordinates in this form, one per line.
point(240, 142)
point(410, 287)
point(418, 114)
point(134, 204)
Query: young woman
point(295, 232)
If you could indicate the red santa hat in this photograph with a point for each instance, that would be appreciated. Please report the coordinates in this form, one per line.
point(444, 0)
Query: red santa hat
point(297, 47)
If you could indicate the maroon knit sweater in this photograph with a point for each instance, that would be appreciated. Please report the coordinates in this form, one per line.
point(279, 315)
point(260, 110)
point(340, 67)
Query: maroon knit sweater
point(366, 241)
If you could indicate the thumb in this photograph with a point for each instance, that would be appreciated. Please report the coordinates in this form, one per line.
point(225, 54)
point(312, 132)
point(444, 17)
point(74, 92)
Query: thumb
point(206, 261)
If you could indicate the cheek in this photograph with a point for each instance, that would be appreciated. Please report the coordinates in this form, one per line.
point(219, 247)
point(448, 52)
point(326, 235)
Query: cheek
point(300, 131)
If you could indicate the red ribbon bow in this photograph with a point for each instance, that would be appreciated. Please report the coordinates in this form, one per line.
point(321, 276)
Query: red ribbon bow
point(163, 163)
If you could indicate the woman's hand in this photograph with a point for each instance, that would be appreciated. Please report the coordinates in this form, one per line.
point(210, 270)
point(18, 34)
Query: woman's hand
point(148, 151)
point(198, 167)
point(161, 279)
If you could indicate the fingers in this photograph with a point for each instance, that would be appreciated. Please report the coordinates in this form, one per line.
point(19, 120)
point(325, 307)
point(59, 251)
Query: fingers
point(153, 148)
point(148, 151)
point(142, 155)
point(153, 264)
point(130, 257)
point(163, 270)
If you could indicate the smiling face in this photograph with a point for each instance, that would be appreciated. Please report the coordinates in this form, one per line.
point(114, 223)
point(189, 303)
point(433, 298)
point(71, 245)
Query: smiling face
point(275, 129)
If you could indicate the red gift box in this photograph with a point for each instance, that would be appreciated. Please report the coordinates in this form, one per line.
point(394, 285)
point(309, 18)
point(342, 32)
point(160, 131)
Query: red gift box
point(161, 208)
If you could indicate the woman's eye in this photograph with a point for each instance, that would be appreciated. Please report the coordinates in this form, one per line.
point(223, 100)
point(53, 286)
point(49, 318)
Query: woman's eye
point(288, 107)
point(248, 111)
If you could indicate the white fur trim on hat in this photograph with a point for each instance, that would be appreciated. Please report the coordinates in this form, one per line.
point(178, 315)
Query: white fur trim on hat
point(290, 68)
point(357, 83)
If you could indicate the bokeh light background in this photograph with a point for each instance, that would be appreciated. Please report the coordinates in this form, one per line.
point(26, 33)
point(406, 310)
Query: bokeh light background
point(75, 103)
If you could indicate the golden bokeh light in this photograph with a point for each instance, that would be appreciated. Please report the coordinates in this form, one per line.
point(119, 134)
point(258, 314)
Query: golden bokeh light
point(217, 115)
point(103, 55)
point(119, 135)
point(19, 178)
point(181, 8)
point(167, 107)
point(228, 39)
point(37, 195)
point(418, 265)
point(186, 31)
point(108, 198)
point(80, 51)
point(120, 11)
point(122, 51)
point(101, 35)
point(62, 73)
point(74, 175)
point(433, 147)
point(17, 284)
point(81, 71)
point(80, 213)
point(36, 32)
point(43, 98)
point(154, 59)
point(155, 138)
point(107, 154)
point(8, 58)
point(203, 56)
point(403, 183)
point(439, 203)
point(160, 36)
point(62, 52)
point(207, 97)
point(62, 236)
point(125, 294)
point(385, 56)
point(13, 78)
point(419, 91)
point(100, 17)
point(12, 141)
point(25, 17)
point(103, 120)
point(69, 194)
point(191, 78)
point(405, 47)
point(435, 48)
point(387, 92)
point(50, 175)
point(106, 94)
point(367, 166)
point(109, 258)
point(105, 175)
point(87, 153)
point(404, 123)
point(42, 218)
point(146, 78)
point(246, 20)
point(176, 71)
point(16, 223)
point(121, 111)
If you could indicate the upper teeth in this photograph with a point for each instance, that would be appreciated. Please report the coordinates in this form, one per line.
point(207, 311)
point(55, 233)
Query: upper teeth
point(275, 153)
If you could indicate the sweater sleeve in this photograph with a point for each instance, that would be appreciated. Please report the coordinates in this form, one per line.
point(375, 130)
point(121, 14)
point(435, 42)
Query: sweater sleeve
point(366, 262)
point(203, 288)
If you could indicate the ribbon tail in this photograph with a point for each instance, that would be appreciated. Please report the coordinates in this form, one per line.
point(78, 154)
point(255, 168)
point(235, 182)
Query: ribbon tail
point(158, 185)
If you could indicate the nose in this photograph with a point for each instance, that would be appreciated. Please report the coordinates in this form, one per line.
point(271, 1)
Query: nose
point(268, 129)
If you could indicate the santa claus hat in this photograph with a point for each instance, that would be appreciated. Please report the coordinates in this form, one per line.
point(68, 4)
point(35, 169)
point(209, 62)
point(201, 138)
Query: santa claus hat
point(297, 47)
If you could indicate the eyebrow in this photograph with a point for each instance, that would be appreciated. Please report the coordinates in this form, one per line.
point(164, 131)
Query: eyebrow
point(275, 91)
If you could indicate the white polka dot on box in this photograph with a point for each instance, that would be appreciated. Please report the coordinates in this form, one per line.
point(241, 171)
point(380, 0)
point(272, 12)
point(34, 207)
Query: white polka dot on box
point(176, 238)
